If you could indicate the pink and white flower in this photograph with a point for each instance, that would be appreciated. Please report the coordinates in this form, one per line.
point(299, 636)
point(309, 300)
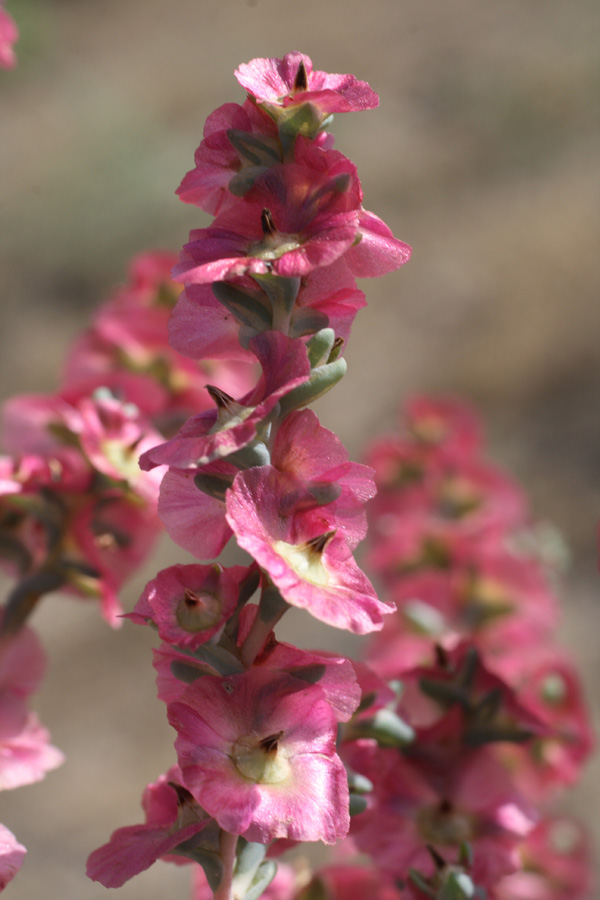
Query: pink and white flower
point(291, 81)
point(257, 750)
point(313, 569)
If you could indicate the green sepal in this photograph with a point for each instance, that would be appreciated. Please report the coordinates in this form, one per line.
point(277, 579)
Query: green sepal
point(257, 150)
point(421, 883)
point(203, 848)
point(251, 875)
point(271, 605)
point(219, 659)
point(457, 886)
point(255, 454)
point(319, 347)
point(359, 784)
point(321, 380)
point(249, 309)
point(213, 485)
point(306, 320)
point(187, 673)
point(387, 728)
point(245, 179)
point(281, 291)
point(356, 805)
point(312, 674)
point(304, 119)
point(264, 876)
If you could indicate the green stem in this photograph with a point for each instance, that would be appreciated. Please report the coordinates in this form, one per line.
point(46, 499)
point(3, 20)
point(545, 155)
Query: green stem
point(227, 847)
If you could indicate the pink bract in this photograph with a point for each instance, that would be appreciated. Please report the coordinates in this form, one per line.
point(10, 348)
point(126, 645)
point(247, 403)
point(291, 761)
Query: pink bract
point(274, 81)
point(258, 752)
point(172, 817)
point(313, 570)
point(194, 520)
point(12, 852)
point(9, 35)
point(471, 799)
point(296, 217)
point(233, 425)
point(25, 752)
point(333, 674)
point(217, 161)
point(189, 604)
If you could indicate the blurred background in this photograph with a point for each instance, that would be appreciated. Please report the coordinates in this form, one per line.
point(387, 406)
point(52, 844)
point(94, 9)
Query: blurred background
point(483, 155)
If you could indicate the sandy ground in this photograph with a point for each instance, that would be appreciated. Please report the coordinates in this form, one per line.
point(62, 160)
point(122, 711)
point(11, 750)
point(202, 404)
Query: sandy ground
point(483, 155)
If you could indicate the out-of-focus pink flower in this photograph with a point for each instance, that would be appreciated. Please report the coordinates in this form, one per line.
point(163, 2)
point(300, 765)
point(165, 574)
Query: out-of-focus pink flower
point(353, 882)
point(291, 81)
point(25, 754)
point(258, 752)
point(314, 570)
point(499, 601)
point(548, 686)
point(12, 852)
point(172, 817)
point(22, 664)
point(469, 798)
point(189, 604)
point(556, 864)
point(9, 35)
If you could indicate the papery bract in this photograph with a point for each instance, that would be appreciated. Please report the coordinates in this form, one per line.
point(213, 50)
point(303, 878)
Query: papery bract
point(275, 81)
point(313, 571)
point(172, 817)
point(258, 752)
point(12, 852)
point(9, 35)
point(217, 434)
point(189, 604)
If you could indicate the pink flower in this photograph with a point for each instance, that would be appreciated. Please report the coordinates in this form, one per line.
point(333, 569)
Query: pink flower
point(9, 35)
point(218, 161)
point(556, 863)
point(11, 852)
point(314, 570)
point(22, 664)
point(193, 519)
point(353, 882)
point(548, 686)
point(333, 674)
point(296, 217)
point(234, 424)
point(172, 817)
point(200, 326)
point(468, 798)
point(257, 750)
point(25, 754)
point(189, 604)
point(291, 81)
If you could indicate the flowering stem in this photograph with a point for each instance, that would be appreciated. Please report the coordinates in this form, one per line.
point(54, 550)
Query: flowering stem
point(227, 846)
point(271, 608)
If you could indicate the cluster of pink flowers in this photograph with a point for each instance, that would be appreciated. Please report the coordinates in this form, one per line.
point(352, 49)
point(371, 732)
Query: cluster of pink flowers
point(9, 35)
point(447, 749)
point(76, 512)
point(495, 706)
point(272, 280)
